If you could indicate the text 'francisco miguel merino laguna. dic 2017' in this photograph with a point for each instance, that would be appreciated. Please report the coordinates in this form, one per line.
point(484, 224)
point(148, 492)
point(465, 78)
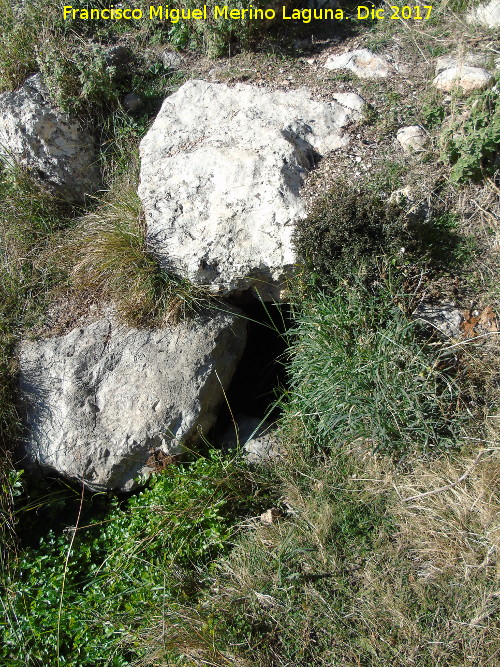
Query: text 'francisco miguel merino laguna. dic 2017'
point(174, 15)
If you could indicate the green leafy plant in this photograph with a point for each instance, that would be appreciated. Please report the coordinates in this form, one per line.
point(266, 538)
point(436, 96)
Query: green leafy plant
point(471, 142)
point(85, 597)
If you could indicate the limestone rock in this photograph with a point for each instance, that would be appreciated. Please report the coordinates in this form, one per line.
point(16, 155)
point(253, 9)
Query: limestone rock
point(171, 59)
point(464, 77)
point(362, 62)
point(103, 400)
point(487, 15)
point(350, 101)
point(256, 437)
point(412, 138)
point(221, 175)
point(49, 142)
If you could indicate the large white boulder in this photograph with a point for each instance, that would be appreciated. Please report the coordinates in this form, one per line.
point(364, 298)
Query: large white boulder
point(52, 145)
point(104, 400)
point(487, 15)
point(221, 175)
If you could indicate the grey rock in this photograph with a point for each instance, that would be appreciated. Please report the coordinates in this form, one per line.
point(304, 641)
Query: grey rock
point(132, 103)
point(256, 437)
point(50, 143)
point(101, 400)
point(443, 317)
point(221, 176)
point(468, 79)
point(362, 62)
point(412, 138)
point(171, 59)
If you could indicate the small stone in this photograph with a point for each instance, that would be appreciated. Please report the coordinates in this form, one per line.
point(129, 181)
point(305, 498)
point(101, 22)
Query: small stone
point(466, 78)
point(350, 101)
point(171, 59)
point(362, 62)
point(132, 103)
point(412, 138)
point(269, 516)
point(256, 437)
point(443, 317)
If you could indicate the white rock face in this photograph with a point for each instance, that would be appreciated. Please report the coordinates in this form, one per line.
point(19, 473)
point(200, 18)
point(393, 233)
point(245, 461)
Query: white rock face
point(362, 62)
point(48, 141)
point(412, 138)
point(102, 399)
point(221, 173)
point(467, 78)
point(487, 15)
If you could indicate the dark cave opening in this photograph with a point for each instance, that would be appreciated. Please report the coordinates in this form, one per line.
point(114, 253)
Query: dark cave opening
point(261, 372)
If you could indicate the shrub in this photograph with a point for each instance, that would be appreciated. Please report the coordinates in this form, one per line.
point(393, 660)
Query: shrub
point(346, 229)
point(77, 76)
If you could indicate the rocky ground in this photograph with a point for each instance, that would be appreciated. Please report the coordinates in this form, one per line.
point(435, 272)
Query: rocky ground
point(158, 203)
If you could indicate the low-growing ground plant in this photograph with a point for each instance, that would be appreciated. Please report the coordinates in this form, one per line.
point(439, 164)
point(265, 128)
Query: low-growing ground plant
point(470, 141)
point(358, 370)
point(350, 229)
point(85, 596)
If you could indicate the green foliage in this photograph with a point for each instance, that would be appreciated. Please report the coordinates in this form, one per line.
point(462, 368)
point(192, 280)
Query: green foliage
point(470, 143)
point(358, 370)
point(85, 601)
point(347, 228)
point(17, 47)
point(77, 76)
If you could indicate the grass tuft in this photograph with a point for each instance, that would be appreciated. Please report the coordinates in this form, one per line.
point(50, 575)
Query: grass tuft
point(109, 258)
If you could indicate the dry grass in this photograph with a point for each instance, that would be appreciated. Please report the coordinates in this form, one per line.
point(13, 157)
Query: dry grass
point(455, 531)
point(107, 256)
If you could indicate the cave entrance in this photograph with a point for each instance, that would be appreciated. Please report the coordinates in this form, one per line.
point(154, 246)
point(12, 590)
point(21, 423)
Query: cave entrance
point(261, 372)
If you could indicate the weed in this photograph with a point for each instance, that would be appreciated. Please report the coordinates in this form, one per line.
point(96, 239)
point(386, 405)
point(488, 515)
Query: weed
point(131, 562)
